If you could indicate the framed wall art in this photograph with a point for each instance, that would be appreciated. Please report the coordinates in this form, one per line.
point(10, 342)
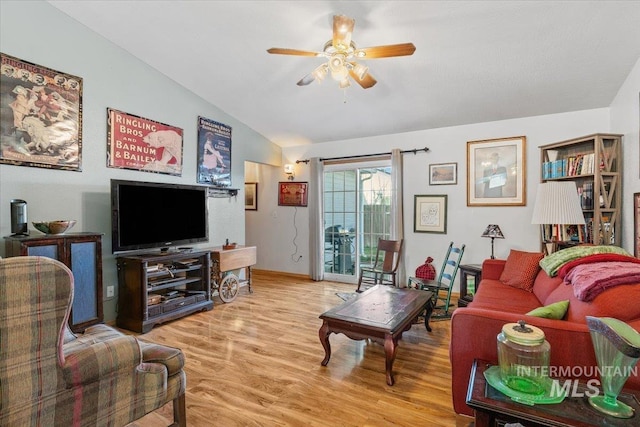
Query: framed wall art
point(636, 225)
point(142, 144)
point(443, 173)
point(251, 196)
point(41, 119)
point(292, 193)
point(496, 173)
point(430, 214)
point(214, 153)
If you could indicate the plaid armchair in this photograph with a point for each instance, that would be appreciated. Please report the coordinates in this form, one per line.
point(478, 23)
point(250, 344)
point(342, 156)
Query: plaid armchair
point(51, 377)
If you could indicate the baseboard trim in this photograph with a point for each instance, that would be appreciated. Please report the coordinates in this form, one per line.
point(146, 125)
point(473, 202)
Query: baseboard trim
point(279, 273)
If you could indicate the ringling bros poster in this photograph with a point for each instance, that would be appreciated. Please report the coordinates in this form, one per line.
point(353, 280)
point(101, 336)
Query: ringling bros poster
point(142, 144)
point(40, 116)
point(214, 153)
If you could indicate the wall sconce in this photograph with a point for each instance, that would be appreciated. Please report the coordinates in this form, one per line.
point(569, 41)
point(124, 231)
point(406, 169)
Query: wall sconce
point(288, 169)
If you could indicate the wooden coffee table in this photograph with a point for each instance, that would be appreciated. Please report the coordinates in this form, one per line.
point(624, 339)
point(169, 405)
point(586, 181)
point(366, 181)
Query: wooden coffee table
point(382, 314)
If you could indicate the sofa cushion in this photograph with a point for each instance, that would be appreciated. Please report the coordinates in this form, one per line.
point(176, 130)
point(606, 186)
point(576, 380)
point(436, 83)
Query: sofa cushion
point(556, 311)
point(552, 263)
point(613, 302)
point(495, 295)
point(544, 285)
point(521, 269)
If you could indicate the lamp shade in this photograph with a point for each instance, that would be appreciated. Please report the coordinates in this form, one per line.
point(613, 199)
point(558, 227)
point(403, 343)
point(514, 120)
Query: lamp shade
point(493, 230)
point(557, 203)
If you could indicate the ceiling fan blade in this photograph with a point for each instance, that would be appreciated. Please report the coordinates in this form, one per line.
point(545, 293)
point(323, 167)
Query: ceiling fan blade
point(318, 74)
point(403, 49)
point(342, 31)
point(309, 78)
point(284, 51)
point(366, 82)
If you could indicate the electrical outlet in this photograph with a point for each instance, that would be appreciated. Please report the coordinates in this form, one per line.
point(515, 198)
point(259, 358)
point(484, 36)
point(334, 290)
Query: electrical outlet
point(110, 291)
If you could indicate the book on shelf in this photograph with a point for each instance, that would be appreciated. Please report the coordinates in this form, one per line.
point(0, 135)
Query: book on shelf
point(586, 199)
point(580, 164)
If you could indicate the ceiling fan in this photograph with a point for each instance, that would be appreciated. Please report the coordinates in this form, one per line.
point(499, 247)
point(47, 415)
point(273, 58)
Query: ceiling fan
point(342, 54)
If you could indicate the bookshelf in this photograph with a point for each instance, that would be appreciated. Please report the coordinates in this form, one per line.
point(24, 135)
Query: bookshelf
point(594, 163)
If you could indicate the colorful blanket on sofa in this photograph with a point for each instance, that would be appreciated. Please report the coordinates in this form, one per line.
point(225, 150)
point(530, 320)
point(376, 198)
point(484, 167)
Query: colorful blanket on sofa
point(552, 263)
point(591, 279)
point(590, 259)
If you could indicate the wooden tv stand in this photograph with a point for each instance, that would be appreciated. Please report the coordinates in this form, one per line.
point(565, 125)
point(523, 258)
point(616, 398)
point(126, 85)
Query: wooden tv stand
point(154, 288)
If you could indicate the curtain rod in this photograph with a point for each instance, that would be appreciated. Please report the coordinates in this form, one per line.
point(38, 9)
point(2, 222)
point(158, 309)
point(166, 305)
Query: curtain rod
point(414, 151)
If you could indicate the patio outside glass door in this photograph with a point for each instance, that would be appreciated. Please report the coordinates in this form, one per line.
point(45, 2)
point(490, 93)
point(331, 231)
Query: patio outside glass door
point(357, 212)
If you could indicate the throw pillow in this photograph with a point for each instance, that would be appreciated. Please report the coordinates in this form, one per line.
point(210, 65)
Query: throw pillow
point(556, 311)
point(552, 263)
point(521, 268)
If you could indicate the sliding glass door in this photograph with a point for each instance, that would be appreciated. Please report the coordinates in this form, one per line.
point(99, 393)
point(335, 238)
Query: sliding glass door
point(357, 212)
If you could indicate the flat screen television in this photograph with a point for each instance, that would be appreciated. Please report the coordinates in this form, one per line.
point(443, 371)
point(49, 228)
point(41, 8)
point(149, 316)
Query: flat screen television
point(154, 215)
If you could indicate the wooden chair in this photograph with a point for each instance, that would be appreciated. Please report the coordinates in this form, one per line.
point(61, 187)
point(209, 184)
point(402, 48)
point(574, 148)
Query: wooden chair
point(443, 284)
point(383, 271)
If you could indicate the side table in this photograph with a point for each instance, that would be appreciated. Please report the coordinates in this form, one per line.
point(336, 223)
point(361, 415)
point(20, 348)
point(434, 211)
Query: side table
point(468, 272)
point(493, 408)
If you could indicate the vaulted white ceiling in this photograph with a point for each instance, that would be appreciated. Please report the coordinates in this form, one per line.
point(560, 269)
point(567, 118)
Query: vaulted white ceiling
point(475, 61)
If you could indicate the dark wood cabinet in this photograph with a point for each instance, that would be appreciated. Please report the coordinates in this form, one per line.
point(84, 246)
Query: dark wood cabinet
point(82, 253)
point(155, 288)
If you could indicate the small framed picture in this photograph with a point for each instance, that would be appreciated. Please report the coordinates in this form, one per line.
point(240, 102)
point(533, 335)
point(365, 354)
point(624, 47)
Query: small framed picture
point(292, 193)
point(251, 196)
point(430, 214)
point(443, 173)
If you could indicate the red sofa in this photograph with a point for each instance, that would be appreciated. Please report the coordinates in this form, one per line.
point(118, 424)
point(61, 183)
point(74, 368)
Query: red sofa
point(474, 328)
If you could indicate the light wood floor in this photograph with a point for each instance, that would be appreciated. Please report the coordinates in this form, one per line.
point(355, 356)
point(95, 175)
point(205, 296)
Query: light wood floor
point(256, 362)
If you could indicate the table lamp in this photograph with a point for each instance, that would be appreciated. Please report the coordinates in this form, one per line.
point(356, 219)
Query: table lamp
point(556, 203)
point(493, 231)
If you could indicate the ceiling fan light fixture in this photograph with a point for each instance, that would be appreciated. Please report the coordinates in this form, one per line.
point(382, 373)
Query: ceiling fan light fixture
point(339, 74)
point(360, 70)
point(341, 53)
point(345, 83)
point(337, 66)
point(320, 73)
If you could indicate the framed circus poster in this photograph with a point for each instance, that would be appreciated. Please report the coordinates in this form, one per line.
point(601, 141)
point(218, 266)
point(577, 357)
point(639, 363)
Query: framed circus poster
point(40, 116)
point(214, 153)
point(142, 144)
point(292, 193)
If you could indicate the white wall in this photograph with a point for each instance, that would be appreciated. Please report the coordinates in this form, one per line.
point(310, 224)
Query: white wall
point(464, 224)
point(272, 228)
point(36, 32)
point(625, 119)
